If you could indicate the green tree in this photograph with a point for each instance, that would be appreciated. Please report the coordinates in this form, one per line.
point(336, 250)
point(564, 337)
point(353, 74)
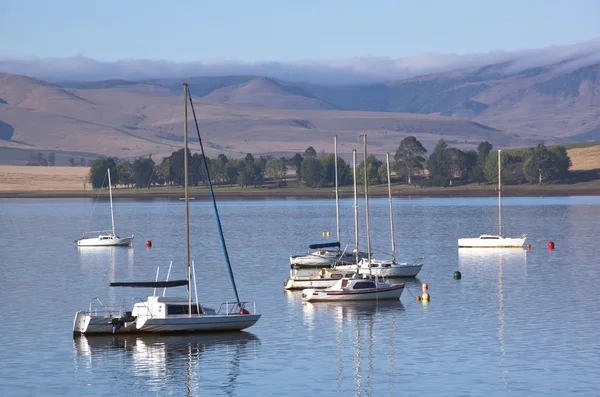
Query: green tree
point(142, 172)
point(72, 162)
point(124, 173)
point(98, 177)
point(373, 166)
point(490, 169)
point(296, 162)
point(52, 158)
point(543, 164)
point(312, 172)
point(310, 152)
point(438, 165)
point(274, 169)
point(41, 159)
point(409, 156)
point(219, 165)
point(477, 172)
point(457, 162)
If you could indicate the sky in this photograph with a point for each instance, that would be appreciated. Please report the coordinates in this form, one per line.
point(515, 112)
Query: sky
point(279, 31)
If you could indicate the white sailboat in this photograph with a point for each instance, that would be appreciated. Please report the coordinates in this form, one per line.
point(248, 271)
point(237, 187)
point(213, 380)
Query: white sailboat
point(386, 268)
point(359, 287)
point(171, 314)
point(494, 240)
point(327, 254)
point(105, 238)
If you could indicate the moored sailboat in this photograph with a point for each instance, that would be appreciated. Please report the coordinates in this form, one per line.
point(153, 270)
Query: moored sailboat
point(494, 240)
point(386, 268)
point(172, 314)
point(105, 238)
point(330, 253)
point(358, 287)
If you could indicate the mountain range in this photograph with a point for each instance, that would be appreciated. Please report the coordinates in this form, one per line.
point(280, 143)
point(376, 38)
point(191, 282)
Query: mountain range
point(260, 115)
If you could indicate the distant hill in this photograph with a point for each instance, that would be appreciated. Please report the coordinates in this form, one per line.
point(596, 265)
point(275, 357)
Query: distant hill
point(265, 92)
point(244, 113)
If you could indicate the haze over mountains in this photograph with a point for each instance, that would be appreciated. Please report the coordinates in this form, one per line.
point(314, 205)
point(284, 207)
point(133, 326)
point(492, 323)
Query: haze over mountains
point(506, 103)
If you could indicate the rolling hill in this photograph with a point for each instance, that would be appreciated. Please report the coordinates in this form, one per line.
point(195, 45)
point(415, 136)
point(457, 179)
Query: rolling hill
point(556, 103)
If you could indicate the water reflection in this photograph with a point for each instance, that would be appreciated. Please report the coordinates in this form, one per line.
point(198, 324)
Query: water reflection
point(164, 359)
point(488, 262)
point(359, 327)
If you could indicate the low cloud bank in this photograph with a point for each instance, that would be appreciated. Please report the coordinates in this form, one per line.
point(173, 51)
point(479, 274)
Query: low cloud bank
point(346, 71)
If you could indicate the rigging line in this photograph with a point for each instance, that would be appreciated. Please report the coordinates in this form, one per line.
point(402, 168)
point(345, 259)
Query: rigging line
point(212, 194)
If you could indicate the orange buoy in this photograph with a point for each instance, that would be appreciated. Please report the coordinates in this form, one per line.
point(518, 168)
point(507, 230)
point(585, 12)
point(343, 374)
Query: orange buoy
point(425, 287)
point(148, 243)
point(551, 245)
point(528, 246)
point(418, 298)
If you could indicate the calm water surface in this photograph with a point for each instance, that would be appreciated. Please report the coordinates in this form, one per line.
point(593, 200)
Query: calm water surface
point(525, 322)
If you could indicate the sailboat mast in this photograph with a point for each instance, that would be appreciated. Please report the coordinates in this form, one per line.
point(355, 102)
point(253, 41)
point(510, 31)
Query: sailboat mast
point(355, 205)
point(337, 197)
point(185, 189)
point(112, 215)
point(499, 194)
point(367, 206)
point(387, 156)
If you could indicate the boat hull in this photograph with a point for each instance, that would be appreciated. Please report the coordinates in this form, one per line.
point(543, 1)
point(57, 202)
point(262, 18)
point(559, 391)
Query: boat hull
point(394, 271)
point(394, 291)
point(86, 324)
point(502, 242)
point(97, 242)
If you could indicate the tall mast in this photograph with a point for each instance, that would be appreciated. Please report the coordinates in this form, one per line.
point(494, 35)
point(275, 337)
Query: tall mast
point(112, 215)
point(355, 205)
point(185, 189)
point(367, 206)
point(499, 194)
point(387, 156)
point(337, 197)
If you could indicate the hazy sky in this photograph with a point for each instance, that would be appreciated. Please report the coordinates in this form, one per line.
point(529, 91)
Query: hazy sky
point(282, 30)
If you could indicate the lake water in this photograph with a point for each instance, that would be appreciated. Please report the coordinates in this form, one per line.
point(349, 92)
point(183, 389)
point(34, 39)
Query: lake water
point(520, 321)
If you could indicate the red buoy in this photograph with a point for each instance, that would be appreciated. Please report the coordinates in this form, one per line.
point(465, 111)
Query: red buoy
point(528, 246)
point(148, 243)
point(551, 245)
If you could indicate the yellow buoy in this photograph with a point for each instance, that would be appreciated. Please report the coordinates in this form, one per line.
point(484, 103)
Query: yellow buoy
point(426, 296)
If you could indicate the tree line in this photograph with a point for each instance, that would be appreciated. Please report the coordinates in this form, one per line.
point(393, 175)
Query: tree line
point(38, 159)
point(445, 166)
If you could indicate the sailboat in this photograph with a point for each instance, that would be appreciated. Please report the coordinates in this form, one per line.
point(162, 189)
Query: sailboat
point(494, 240)
point(327, 254)
point(386, 268)
point(172, 314)
point(358, 287)
point(105, 238)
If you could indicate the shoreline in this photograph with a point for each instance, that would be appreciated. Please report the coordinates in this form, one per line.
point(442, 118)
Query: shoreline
point(316, 193)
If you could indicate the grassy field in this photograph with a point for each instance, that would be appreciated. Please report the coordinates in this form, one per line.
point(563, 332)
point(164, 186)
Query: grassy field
point(22, 178)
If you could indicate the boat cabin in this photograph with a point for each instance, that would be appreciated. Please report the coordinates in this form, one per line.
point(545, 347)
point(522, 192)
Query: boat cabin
point(162, 307)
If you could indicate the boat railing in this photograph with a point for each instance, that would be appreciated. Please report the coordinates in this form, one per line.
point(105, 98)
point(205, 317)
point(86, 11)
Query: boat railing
point(97, 308)
point(230, 308)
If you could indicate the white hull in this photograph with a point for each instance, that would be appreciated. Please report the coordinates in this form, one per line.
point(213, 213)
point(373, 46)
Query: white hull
point(386, 269)
point(86, 323)
point(491, 242)
point(323, 259)
point(105, 242)
point(393, 291)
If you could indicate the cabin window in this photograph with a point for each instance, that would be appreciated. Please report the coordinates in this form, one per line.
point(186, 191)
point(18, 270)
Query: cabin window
point(364, 285)
point(180, 309)
point(349, 275)
point(336, 276)
point(490, 238)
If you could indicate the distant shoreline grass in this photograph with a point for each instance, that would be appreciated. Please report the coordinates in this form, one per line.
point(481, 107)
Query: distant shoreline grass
point(591, 188)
